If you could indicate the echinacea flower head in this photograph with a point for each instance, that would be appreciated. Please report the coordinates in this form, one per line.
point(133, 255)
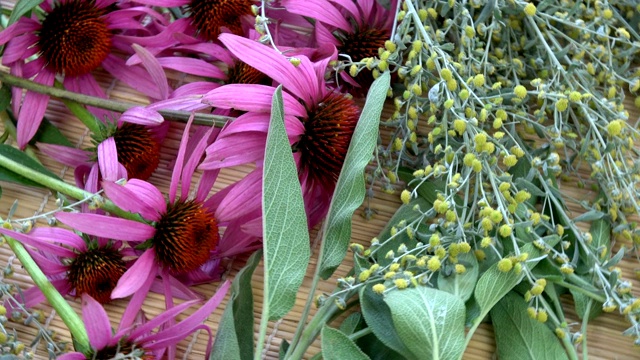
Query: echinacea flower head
point(137, 339)
point(74, 265)
point(319, 121)
point(70, 40)
point(357, 28)
point(126, 148)
point(181, 235)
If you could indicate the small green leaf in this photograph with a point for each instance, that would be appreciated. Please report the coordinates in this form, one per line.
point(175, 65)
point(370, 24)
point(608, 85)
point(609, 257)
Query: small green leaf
point(350, 188)
point(589, 216)
point(461, 285)
point(21, 8)
point(430, 322)
point(351, 324)
point(581, 301)
point(338, 346)
point(494, 284)
point(50, 134)
point(22, 158)
point(378, 317)
point(404, 212)
point(286, 236)
point(226, 344)
point(600, 234)
point(284, 346)
point(242, 298)
point(520, 337)
point(234, 339)
point(521, 182)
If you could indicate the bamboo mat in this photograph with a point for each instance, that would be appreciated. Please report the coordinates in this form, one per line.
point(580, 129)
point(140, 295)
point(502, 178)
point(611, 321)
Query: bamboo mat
point(604, 333)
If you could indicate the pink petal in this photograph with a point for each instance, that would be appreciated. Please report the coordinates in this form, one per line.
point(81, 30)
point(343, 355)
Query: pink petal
point(66, 155)
point(110, 168)
point(135, 304)
point(38, 243)
point(23, 25)
point(135, 77)
point(193, 159)
point(300, 80)
point(137, 196)
point(192, 66)
point(20, 48)
point(72, 356)
point(142, 116)
point(320, 10)
point(234, 205)
point(32, 110)
point(107, 226)
point(59, 235)
point(136, 276)
point(256, 98)
point(154, 68)
point(160, 319)
point(87, 84)
point(189, 324)
point(196, 87)
point(235, 149)
point(96, 320)
point(177, 168)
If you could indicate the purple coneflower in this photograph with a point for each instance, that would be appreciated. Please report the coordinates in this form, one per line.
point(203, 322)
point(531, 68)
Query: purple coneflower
point(356, 28)
point(74, 265)
point(182, 239)
point(73, 38)
point(137, 339)
point(128, 148)
point(319, 121)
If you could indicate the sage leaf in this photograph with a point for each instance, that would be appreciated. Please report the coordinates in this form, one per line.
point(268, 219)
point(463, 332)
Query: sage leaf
point(234, 339)
point(590, 215)
point(338, 346)
point(461, 285)
point(494, 284)
point(286, 236)
point(22, 158)
point(350, 188)
point(581, 302)
point(520, 337)
point(430, 322)
point(378, 316)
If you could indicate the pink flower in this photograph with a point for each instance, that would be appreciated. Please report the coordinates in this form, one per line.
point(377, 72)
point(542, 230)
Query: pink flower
point(319, 121)
point(180, 236)
point(356, 28)
point(129, 148)
point(138, 338)
point(74, 38)
point(75, 266)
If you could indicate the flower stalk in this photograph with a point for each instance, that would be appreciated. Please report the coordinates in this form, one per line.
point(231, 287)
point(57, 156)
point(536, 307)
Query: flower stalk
point(57, 301)
point(119, 106)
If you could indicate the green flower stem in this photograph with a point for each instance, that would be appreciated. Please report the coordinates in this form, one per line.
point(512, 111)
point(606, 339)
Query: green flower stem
point(64, 188)
point(585, 321)
point(73, 322)
point(581, 290)
point(81, 112)
point(118, 106)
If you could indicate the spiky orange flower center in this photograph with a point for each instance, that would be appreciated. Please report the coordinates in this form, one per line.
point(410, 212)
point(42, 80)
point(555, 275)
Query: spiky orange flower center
point(328, 131)
point(74, 38)
point(96, 272)
point(242, 73)
point(363, 42)
point(185, 235)
point(138, 150)
point(210, 16)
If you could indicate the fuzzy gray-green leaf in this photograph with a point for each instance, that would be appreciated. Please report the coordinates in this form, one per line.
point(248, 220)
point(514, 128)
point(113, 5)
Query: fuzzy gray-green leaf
point(350, 188)
point(286, 237)
point(337, 346)
point(520, 337)
point(430, 322)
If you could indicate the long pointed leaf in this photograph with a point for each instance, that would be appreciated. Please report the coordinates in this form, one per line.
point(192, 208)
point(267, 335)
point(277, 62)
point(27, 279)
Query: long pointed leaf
point(350, 189)
point(286, 237)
